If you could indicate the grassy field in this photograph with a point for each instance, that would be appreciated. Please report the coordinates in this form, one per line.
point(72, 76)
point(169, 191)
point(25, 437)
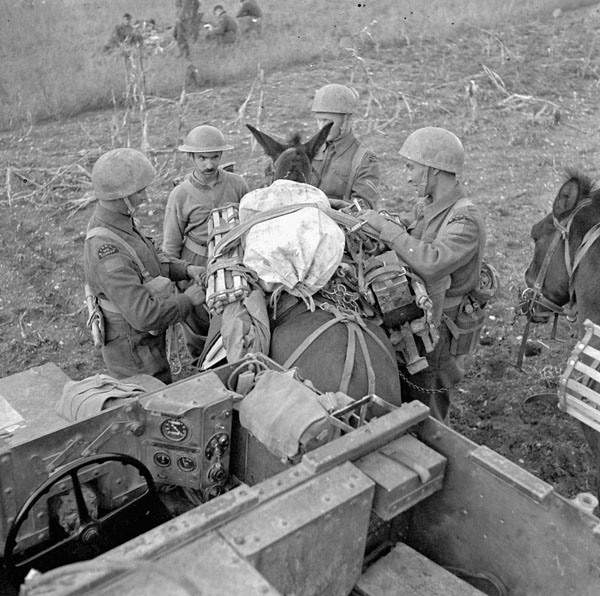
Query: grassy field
point(51, 64)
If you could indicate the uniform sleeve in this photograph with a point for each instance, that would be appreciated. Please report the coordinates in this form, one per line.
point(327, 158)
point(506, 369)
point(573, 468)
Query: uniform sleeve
point(455, 246)
point(174, 224)
point(365, 187)
point(174, 269)
point(113, 273)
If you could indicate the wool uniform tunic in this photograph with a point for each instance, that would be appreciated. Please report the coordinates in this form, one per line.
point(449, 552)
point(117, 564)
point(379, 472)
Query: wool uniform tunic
point(185, 234)
point(185, 228)
point(444, 245)
point(130, 311)
point(332, 168)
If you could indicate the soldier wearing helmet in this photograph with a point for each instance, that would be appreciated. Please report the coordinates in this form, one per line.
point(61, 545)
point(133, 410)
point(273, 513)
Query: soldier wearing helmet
point(128, 277)
point(344, 170)
point(185, 229)
point(443, 242)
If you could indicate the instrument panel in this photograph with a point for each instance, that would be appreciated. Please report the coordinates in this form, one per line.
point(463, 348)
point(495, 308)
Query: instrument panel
point(188, 433)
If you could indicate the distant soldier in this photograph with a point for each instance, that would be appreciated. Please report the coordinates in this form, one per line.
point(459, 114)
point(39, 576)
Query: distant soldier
point(129, 278)
point(345, 170)
point(122, 33)
point(226, 29)
point(187, 24)
point(249, 16)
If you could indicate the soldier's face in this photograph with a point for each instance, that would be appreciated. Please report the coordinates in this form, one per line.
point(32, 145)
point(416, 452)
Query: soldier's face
point(206, 164)
point(417, 176)
point(338, 120)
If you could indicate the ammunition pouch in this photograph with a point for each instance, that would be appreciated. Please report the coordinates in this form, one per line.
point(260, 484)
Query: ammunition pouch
point(465, 328)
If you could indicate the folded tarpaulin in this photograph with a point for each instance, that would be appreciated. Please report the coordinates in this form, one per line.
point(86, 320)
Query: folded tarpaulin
point(85, 398)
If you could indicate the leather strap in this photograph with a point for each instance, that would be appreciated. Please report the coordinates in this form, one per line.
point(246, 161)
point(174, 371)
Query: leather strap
point(196, 248)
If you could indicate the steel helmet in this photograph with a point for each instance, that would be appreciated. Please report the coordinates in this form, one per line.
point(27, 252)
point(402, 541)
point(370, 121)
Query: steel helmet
point(336, 99)
point(204, 139)
point(435, 147)
point(120, 173)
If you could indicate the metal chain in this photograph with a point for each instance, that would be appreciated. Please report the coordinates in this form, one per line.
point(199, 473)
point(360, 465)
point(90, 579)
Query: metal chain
point(418, 387)
point(342, 297)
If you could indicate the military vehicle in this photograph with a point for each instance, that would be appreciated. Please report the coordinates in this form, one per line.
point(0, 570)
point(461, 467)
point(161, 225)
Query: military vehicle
point(245, 480)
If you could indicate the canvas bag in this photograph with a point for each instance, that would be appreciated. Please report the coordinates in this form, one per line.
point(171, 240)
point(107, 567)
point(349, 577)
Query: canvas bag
point(297, 252)
point(286, 416)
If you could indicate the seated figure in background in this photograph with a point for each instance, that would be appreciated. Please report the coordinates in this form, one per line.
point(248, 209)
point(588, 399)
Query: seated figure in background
point(249, 17)
point(226, 29)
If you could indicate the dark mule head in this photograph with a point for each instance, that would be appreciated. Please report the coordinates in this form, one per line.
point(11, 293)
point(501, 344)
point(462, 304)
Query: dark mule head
point(557, 238)
point(292, 160)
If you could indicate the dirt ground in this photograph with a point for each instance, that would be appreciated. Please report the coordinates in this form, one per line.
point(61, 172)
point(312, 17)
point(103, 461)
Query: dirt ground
point(524, 101)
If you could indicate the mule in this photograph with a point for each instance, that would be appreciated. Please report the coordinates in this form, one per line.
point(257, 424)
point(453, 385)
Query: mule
point(336, 349)
point(564, 271)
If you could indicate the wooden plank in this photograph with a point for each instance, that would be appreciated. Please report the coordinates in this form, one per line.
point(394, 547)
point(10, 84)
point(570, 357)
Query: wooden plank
point(582, 412)
point(592, 353)
point(405, 572)
point(588, 371)
point(361, 441)
point(575, 388)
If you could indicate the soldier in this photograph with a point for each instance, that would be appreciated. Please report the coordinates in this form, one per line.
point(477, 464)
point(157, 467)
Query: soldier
point(225, 31)
point(249, 16)
point(187, 24)
point(122, 33)
point(128, 276)
point(443, 243)
point(344, 169)
point(185, 230)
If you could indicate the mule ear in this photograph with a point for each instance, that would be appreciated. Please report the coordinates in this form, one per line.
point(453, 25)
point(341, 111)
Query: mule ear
point(313, 145)
point(567, 198)
point(272, 147)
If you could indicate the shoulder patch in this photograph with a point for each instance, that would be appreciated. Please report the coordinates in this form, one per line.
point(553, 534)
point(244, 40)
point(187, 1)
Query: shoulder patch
point(460, 217)
point(106, 250)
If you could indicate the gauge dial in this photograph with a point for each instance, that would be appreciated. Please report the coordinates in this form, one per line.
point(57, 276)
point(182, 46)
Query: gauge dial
point(162, 459)
point(187, 464)
point(173, 429)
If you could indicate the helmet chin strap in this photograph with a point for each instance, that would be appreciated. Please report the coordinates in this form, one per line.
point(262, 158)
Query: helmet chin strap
point(130, 207)
point(424, 183)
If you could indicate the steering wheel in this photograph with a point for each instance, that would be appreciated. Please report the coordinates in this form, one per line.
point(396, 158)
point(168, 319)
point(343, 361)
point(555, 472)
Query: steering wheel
point(94, 535)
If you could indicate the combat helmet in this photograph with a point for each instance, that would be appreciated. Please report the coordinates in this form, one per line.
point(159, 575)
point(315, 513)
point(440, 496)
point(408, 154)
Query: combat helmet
point(435, 147)
point(335, 99)
point(204, 139)
point(120, 173)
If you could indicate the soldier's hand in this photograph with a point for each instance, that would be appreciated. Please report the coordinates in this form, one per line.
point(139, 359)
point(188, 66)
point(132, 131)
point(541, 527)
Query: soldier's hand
point(337, 203)
point(197, 274)
point(374, 219)
point(196, 294)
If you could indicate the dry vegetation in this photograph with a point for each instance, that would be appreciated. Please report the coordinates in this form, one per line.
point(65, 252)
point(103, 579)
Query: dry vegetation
point(51, 64)
point(519, 87)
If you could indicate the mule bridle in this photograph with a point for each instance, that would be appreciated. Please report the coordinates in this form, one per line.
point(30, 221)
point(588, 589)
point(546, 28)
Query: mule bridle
point(533, 297)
